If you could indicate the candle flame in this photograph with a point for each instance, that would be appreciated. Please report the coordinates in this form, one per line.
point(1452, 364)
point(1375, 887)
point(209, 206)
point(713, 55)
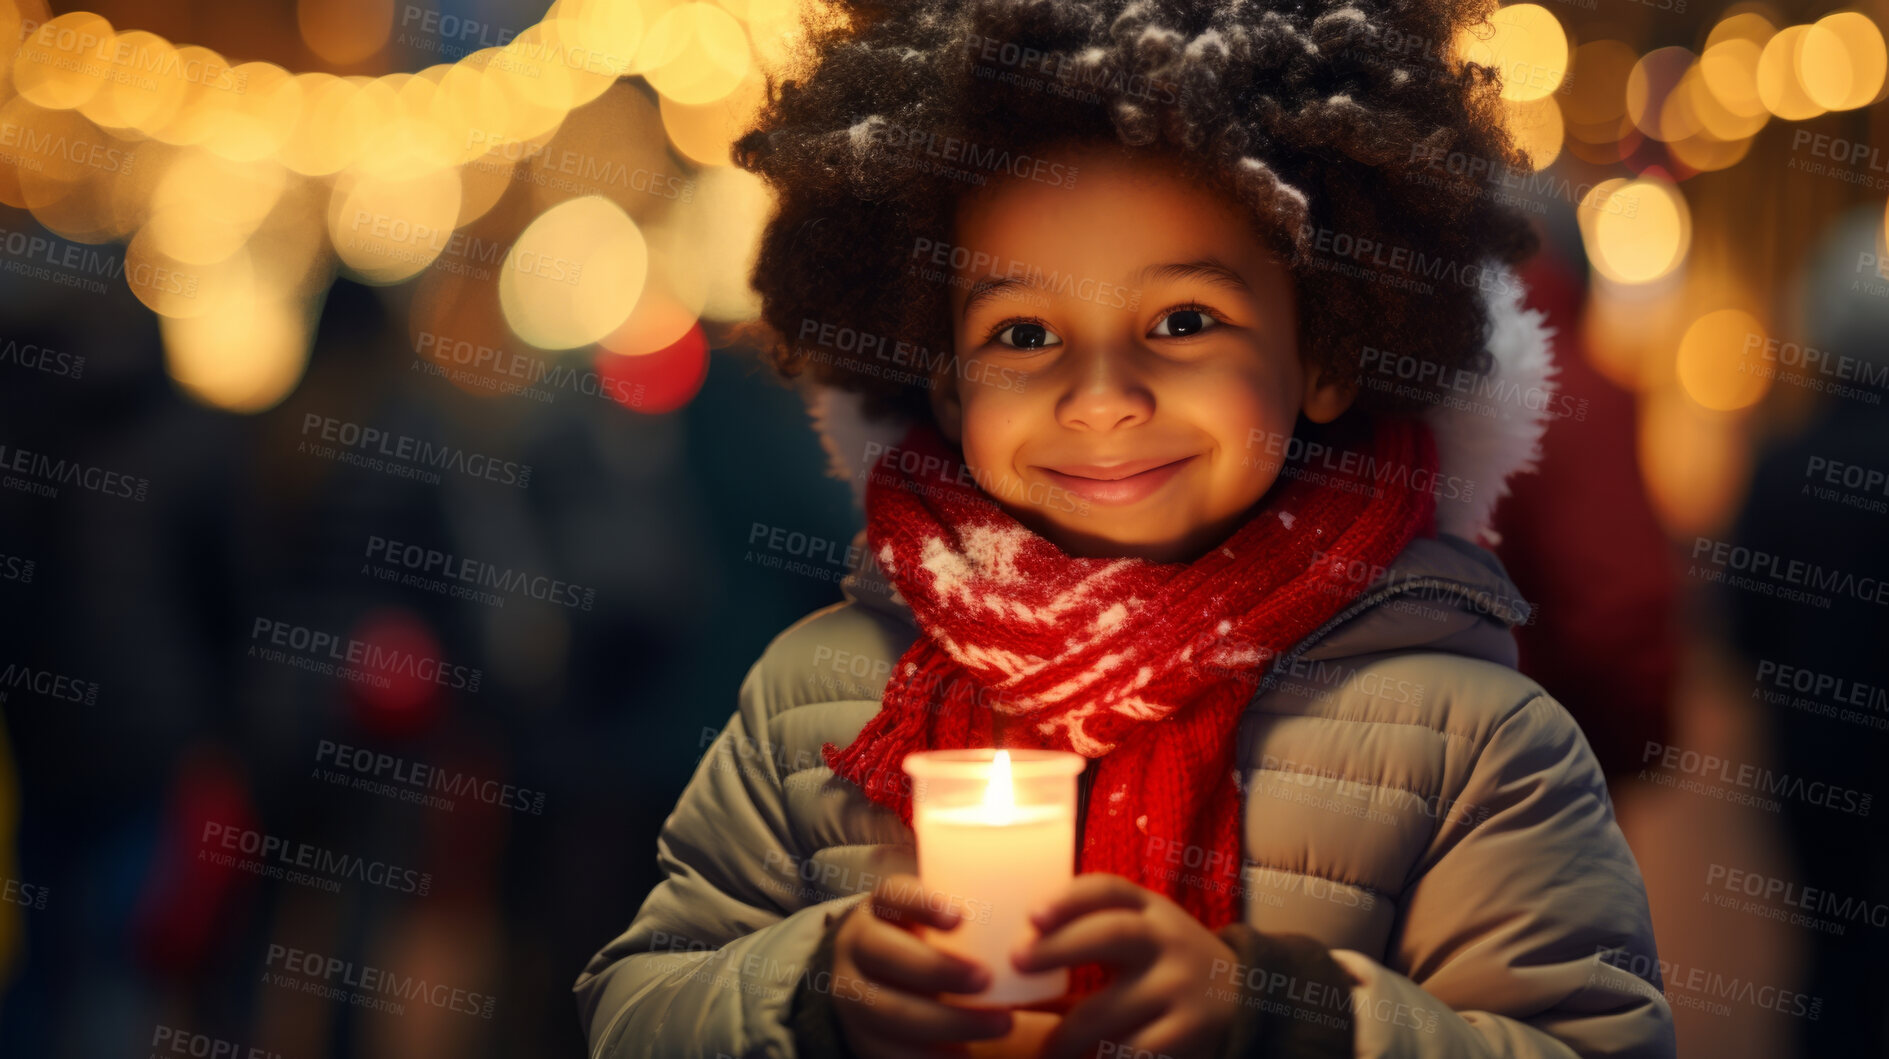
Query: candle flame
point(1000, 797)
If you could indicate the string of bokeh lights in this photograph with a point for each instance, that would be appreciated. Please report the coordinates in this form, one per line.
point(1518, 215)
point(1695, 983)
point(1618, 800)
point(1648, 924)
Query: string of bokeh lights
point(241, 190)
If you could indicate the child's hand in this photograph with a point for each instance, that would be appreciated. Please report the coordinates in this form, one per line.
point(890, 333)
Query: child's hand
point(1159, 998)
point(880, 944)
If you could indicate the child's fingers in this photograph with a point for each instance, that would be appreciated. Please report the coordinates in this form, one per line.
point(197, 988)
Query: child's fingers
point(1118, 937)
point(902, 1017)
point(903, 960)
point(1090, 892)
point(1114, 1014)
point(902, 899)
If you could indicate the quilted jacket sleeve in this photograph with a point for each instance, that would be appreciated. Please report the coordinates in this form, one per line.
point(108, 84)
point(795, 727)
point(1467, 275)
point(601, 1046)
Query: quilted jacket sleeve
point(1525, 932)
point(713, 959)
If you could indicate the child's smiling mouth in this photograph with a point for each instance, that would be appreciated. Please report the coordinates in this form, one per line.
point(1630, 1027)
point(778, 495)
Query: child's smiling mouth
point(1122, 483)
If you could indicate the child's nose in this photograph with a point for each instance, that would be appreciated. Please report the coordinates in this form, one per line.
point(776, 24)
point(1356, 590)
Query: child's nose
point(1107, 394)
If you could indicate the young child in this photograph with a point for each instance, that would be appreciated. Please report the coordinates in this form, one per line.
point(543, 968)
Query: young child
point(1178, 377)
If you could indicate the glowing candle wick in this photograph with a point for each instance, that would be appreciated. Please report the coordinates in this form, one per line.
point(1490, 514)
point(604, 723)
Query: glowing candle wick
point(1000, 798)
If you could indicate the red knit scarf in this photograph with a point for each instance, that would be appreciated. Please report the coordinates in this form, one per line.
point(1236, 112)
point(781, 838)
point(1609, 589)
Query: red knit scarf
point(1144, 665)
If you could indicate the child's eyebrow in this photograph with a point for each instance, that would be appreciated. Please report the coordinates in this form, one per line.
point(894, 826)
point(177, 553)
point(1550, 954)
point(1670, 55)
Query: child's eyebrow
point(1208, 270)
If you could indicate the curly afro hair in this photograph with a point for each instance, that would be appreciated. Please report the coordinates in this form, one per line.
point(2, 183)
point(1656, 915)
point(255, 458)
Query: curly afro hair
point(1325, 120)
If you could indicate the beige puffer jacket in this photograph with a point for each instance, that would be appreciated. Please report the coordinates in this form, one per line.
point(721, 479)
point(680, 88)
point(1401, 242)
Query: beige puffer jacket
point(1413, 802)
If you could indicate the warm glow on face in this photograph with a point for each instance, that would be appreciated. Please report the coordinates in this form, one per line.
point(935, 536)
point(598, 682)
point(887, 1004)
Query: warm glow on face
point(1110, 366)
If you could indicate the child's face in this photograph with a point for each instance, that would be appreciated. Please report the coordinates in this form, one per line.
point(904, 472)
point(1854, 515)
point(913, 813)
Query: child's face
point(1127, 410)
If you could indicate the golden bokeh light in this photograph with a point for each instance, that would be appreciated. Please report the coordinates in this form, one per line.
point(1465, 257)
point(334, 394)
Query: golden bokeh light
point(1844, 61)
point(251, 182)
point(1628, 332)
point(65, 61)
point(592, 69)
point(204, 207)
point(704, 132)
point(132, 97)
point(1724, 90)
point(1714, 137)
point(614, 148)
point(574, 275)
point(387, 228)
point(657, 322)
point(345, 32)
point(1637, 230)
point(518, 99)
point(1729, 71)
point(774, 28)
point(1695, 462)
point(610, 31)
point(1706, 152)
point(1719, 365)
point(403, 136)
point(170, 287)
point(260, 118)
point(1781, 78)
point(723, 224)
point(1537, 128)
point(1747, 25)
point(673, 298)
point(1596, 98)
point(208, 87)
point(16, 19)
point(538, 69)
point(1823, 66)
point(1652, 86)
point(363, 118)
point(245, 358)
point(316, 146)
point(696, 53)
point(49, 150)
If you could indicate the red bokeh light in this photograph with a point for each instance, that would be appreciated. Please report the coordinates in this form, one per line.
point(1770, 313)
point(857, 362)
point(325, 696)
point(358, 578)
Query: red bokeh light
point(658, 382)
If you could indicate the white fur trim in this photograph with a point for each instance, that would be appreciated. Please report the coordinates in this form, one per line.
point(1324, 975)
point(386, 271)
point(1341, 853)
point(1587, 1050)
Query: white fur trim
point(845, 433)
point(1494, 432)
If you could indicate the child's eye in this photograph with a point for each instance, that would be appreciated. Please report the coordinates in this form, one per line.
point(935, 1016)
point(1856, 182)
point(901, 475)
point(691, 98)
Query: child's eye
point(1027, 335)
point(1187, 320)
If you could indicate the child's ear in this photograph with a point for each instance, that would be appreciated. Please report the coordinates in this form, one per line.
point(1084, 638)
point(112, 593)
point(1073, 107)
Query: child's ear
point(947, 409)
point(1325, 398)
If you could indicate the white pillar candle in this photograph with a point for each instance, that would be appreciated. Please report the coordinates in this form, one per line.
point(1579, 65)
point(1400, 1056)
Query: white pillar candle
point(996, 837)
